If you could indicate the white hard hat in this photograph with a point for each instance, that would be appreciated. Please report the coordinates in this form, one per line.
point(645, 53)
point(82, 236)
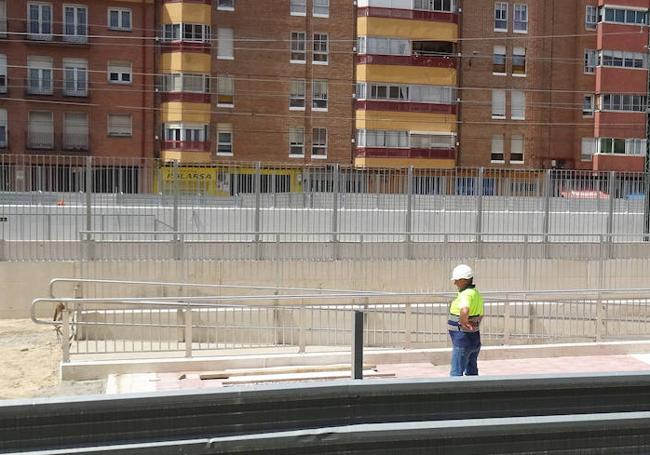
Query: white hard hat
point(462, 272)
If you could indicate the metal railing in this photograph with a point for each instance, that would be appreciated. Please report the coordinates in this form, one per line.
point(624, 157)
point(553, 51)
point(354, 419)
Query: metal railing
point(334, 203)
point(291, 320)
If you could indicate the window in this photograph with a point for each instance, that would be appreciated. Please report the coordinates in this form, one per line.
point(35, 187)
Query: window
point(622, 59)
point(224, 139)
point(621, 146)
point(297, 95)
point(320, 55)
point(190, 135)
point(75, 24)
point(588, 148)
point(3, 129)
point(319, 143)
point(75, 131)
point(3, 18)
point(497, 155)
point(225, 48)
point(40, 21)
point(385, 139)
point(517, 148)
point(432, 141)
point(590, 61)
point(75, 77)
point(39, 75)
point(298, 54)
point(3, 73)
point(498, 104)
point(225, 91)
point(120, 125)
point(518, 61)
point(298, 7)
point(384, 46)
point(319, 95)
point(321, 8)
point(194, 33)
point(119, 19)
point(119, 72)
point(520, 18)
point(499, 60)
point(624, 103)
point(226, 5)
point(591, 17)
point(588, 105)
point(40, 134)
point(500, 17)
point(297, 141)
point(624, 16)
point(445, 6)
point(518, 105)
point(186, 82)
point(410, 93)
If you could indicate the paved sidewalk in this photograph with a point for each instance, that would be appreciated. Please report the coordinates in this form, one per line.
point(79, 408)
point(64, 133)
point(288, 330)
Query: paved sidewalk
point(151, 382)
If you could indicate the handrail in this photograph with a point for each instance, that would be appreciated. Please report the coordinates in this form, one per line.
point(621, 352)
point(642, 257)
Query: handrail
point(201, 285)
point(209, 301)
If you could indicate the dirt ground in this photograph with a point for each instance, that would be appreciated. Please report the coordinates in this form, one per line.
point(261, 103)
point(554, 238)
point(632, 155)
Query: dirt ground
point(30, 357)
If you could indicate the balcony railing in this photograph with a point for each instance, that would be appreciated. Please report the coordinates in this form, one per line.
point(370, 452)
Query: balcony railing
point(40, 36)
point(75, 141)
point(39, 86)
point(40, 141)
point(75, 39)
point(190, 146)
point(74, 91)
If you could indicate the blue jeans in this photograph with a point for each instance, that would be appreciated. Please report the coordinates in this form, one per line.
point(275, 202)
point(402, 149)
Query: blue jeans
point(463, 361)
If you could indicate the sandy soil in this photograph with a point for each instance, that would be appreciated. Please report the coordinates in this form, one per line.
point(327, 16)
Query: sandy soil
point(30, 357)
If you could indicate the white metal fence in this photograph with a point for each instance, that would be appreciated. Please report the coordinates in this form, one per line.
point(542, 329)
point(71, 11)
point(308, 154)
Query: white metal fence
point(56, 208)
point(301, 320)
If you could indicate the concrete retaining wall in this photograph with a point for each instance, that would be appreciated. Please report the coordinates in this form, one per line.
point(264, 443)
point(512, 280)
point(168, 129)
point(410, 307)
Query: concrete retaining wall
point(24, 281)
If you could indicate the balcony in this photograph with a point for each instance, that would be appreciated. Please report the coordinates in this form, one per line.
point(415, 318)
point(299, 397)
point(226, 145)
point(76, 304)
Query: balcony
point(447, 61)
point(75, 39)
point(40, 37)
point(405, 106)
point(185, 96)
point(417, 14)
point(387, 152)
point(76, 92)
point(617, 162)
point(186, 146)
point(186, 46)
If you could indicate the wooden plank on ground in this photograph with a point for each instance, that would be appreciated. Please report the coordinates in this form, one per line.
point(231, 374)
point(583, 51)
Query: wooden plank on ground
point(225, 374)
point(302, 377)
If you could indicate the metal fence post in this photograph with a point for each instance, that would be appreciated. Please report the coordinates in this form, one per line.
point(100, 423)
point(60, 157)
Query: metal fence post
point(409, 213)
point(301, 328)
point(335, 202)
point(408, 330)
point(548, 192)
point(258, 197)
point(88, 186)
point(506, 321)
point(599, 318)
point(188, 332)
point(357, 345)
point(610, 215)
point(479, 210)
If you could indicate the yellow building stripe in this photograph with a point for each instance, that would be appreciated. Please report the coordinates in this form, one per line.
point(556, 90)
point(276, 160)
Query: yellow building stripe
point(177, 111)
point(407, 28)
point(405, 121)
point(406, 74)
point(186, 157)
point(189, 13)
point(401, 163)
point(188, 62)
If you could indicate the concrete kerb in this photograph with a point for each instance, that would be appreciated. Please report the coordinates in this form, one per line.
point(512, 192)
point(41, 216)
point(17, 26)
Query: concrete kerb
point(97, 369)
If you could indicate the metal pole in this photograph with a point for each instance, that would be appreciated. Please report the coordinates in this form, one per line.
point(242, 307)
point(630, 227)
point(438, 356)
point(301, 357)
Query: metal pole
point(610, 215)
point(335, 203)
point(176, 190)
point(646, 174)
point(89, 204)
point(548, 192)
point(258, 189)
point(479, 210)
point(188, 332)
point(357, 345)
point(409, 210)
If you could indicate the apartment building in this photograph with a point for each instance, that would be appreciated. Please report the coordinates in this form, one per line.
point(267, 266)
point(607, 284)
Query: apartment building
point(406, 110)
point(275, 82)
point(554, 84)
point(76, 78)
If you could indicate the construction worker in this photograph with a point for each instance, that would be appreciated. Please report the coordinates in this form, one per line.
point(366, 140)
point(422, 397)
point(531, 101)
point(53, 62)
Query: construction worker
point(465, 315)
